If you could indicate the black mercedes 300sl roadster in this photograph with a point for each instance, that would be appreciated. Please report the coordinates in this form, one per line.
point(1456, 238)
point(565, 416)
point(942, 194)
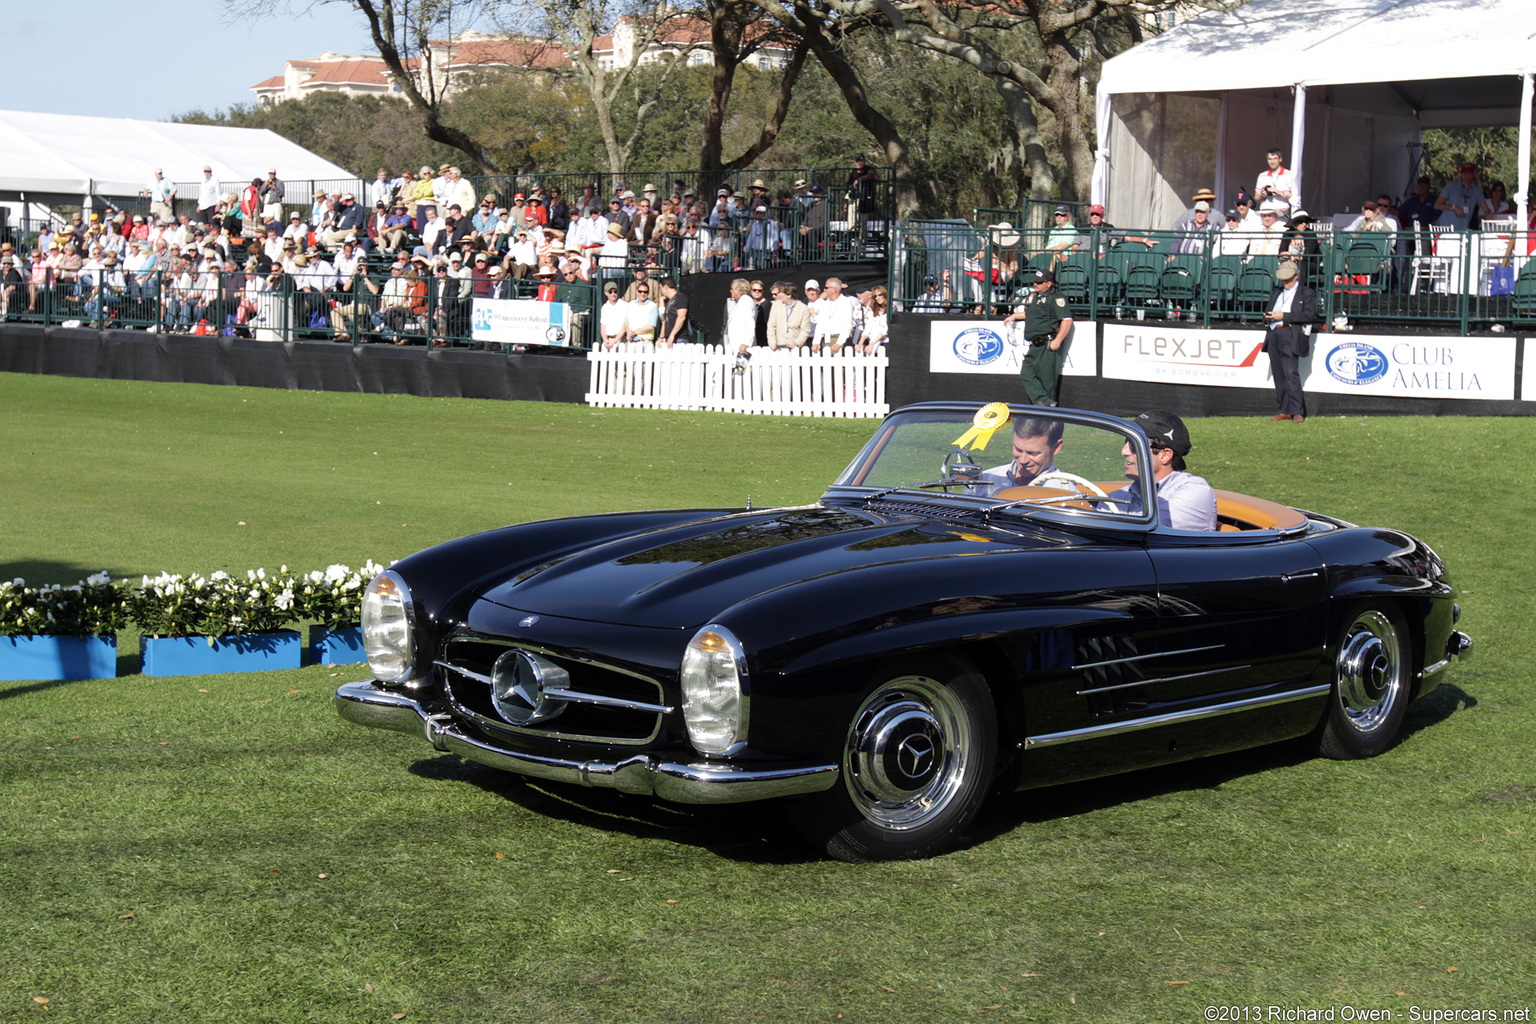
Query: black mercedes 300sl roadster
point(922, 635)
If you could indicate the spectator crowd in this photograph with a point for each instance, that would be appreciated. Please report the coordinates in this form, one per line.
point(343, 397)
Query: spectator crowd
point(404, 260)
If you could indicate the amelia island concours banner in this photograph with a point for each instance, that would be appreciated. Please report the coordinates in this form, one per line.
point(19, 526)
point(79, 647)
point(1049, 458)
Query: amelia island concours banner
point(521, 322)
point(1340, 363)
point(966, 346)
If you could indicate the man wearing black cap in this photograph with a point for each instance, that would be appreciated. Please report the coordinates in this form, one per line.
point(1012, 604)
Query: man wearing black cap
point(1047, 322)
point(1289, 316)
point(1184, 501)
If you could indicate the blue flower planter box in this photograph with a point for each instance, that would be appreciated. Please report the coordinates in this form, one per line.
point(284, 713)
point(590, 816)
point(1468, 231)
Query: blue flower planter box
point(57, 657)
point(195, 656)
point(336, 646)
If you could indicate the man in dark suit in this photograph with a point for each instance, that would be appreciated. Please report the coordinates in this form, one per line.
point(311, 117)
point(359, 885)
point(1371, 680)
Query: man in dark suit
point(1291, 311)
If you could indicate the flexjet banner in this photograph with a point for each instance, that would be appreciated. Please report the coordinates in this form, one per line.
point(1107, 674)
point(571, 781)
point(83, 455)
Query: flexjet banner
point(1341, 363)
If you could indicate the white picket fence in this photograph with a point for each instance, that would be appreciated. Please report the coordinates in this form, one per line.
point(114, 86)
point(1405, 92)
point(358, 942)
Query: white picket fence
point(781, 382)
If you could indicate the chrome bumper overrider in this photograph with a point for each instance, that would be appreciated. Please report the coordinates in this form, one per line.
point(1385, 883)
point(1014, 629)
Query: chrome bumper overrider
point(697, 783)
point(1457, 648)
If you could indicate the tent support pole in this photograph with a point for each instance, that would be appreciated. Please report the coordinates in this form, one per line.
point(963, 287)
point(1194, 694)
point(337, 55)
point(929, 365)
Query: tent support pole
point(1298, 141)
point(1222, 191)
point(1521, 197)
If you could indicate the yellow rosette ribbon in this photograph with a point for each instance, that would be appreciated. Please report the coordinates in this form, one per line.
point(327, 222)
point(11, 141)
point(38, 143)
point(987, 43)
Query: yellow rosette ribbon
point(989, 419)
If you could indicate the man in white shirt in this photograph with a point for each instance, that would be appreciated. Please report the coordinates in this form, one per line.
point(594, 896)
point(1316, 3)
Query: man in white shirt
point(1267, 241)
point(207, 196)
point(432, 232)
point(380, 190)
point(614, 254)
point(296, 231)
point(1036, 443)
point(460, 191)
point(836, 319)
point(1276, 184)
point(347, 263)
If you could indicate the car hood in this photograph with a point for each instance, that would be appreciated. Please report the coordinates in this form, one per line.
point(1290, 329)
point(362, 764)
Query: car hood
point(685, 575)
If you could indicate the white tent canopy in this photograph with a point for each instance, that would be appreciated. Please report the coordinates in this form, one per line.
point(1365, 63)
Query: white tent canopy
point(66, 155)
point(1342, 87)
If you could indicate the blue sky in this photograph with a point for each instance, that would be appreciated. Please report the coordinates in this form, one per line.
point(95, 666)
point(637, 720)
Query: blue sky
point(153, 59)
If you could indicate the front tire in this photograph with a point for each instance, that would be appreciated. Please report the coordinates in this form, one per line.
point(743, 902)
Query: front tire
point(918, 757)
point(1371, 687)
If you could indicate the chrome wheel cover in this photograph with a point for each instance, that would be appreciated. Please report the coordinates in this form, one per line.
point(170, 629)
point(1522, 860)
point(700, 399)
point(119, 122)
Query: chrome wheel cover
point(1370, 671)
point(908, 753)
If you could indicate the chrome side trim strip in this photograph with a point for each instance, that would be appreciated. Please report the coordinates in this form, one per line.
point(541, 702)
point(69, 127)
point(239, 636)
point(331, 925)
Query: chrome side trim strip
point(1163, 679)
point(1438, 666)
point(574, 696)
point(693, 783)
point(1145, 657)
point(1094, 732)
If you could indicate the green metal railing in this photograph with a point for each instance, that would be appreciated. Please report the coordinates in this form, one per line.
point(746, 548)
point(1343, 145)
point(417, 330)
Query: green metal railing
point(1464, 280)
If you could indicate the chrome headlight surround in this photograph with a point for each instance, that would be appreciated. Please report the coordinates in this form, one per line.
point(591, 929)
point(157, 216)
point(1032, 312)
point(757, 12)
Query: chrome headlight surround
point(389, 628)
point(715, 691)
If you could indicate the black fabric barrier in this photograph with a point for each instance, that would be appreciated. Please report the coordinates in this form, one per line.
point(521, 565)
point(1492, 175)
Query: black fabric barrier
point(319, 366)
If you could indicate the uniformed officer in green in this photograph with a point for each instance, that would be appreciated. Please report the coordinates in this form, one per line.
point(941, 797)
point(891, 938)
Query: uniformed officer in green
point(1047, 323)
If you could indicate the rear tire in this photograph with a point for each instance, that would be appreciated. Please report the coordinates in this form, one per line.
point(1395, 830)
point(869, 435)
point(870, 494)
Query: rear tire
point(1372, 680)
point(918, 758)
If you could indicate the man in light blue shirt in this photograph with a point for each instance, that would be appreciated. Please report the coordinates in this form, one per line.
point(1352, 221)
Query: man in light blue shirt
point(161, 195)
point(1184, 501)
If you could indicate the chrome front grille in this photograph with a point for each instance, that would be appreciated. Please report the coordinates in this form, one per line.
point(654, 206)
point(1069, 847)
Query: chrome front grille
point(601, 703)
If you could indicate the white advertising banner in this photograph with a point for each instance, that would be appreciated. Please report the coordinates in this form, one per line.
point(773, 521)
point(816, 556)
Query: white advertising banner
point(966, 346)
point(521, 322)
point(1166, 354)
point(1403, 367)
point(1528, 381)
point(1341, 363)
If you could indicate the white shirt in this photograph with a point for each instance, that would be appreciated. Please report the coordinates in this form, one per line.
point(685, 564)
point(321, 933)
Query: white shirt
point(346, 265)
point(741, 320)
point(613, 318)
point(208, 193)
point(836, 318)
point(1281, 182)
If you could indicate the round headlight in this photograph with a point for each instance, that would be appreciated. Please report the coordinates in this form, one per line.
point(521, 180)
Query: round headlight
point(388, 636)
point(714, 678)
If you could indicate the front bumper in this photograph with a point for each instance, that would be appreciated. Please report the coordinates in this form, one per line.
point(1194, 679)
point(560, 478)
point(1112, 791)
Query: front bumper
point(368, 704)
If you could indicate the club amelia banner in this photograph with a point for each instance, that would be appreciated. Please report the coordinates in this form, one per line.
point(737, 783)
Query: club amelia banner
point(1528, 380)
point(966, 346)
point(1341, 363)
point(521, 322)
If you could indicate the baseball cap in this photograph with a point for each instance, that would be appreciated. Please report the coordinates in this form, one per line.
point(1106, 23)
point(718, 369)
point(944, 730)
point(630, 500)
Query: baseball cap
point(1095, 209)
point(1062, 211)
point(1043, 276)
point(1164, 430)
point(813, 283)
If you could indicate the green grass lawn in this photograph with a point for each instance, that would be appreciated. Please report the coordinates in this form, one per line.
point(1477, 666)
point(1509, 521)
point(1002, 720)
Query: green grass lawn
point(224, 848)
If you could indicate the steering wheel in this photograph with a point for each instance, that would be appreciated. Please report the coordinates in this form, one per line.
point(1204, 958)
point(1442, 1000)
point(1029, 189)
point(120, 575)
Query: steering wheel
point(1056, 477)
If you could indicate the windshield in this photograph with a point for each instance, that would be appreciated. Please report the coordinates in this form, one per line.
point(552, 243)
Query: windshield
point(1053, 458)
